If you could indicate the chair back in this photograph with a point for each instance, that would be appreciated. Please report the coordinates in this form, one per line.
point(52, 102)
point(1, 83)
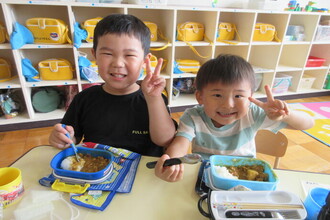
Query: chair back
point(271, 144)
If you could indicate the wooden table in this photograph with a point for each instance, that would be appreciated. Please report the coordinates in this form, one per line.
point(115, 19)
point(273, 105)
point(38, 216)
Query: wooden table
point(150, 198)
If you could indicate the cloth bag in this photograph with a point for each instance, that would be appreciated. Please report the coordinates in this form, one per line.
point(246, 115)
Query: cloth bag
point(186, 66)
point(55, 69)
point(5, 69)
point(227, 32)
point(265, 32)
point(3, 33)
point(79, 34)
point(30, 73)
point(20, 36)
point(46, 99)
point(89, 25)
point(192, 31)
point(87, 69)
point(48, 30)
point(99, 196)
point(155, 32)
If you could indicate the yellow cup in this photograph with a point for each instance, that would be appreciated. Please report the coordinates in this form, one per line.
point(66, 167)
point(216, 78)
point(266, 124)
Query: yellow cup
point(11, 186)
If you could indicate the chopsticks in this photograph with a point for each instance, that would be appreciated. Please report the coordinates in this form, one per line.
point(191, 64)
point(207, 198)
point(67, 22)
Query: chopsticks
point(248, 205)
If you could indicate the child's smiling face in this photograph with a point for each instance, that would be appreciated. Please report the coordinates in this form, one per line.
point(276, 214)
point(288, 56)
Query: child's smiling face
point(225, 104)
point(120, 59)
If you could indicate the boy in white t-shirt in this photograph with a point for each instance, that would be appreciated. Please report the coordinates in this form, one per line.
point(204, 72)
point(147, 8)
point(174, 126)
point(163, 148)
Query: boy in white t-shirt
point(227, 118)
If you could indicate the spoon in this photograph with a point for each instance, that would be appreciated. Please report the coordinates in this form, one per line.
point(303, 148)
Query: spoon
point(72, 145)
point(188, 158)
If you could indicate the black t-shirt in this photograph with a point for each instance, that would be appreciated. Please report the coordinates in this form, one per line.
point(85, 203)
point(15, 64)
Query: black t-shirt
point(118, 121)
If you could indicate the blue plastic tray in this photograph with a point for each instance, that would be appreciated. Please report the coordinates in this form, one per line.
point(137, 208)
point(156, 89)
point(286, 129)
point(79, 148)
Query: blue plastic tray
point(226, 183)
point(57, 160)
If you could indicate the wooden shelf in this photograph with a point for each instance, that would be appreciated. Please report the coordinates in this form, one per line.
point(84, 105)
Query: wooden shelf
point(268, 58)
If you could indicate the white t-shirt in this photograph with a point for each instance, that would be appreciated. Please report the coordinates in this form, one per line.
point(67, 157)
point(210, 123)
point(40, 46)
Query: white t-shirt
point(235, 139)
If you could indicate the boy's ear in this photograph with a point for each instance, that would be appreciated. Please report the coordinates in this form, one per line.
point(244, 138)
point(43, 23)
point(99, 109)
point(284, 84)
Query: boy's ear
point(93, 52)
point(199, 98)
point(145, 60)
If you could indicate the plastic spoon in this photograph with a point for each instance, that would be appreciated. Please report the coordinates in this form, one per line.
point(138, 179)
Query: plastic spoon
point(72, 145)
point(188, 158)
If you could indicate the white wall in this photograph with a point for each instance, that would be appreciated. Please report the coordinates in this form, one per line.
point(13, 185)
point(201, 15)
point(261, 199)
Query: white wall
point(280, 4)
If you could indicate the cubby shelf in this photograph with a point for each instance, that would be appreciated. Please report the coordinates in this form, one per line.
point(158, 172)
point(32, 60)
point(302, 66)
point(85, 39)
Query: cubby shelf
point(268, 58)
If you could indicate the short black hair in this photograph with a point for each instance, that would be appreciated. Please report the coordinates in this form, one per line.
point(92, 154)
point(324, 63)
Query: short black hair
point(227, 69)
point(123, 24)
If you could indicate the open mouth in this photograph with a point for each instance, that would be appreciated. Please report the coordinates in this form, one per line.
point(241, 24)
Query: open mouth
point(118, 75)
point(226, 115)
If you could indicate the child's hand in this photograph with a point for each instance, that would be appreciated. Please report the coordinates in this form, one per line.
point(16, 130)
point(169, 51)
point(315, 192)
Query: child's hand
point(58, 138)
point(153, 84)
point(275, 109)
point(171, 173)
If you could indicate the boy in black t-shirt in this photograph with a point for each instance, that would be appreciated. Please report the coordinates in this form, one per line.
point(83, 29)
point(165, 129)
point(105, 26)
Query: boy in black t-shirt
point(120, 113)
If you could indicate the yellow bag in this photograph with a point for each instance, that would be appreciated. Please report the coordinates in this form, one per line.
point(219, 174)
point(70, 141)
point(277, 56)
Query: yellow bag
point(265, 32)
point(153, 63)
point(5, 70)
point(154, 33)
point(3, 34)
point(153, 30)
point(191, 31)
point(48, 30)
point(89, 26)
point(55, 69)
point(226, 32)
point(188, 66)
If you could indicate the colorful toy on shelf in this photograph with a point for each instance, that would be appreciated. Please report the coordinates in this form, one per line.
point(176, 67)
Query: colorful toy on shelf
point(294, 6)
point(309, 6)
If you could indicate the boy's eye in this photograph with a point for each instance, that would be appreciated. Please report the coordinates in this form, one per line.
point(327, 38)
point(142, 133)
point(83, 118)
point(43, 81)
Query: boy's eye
point(109, 54)
point(217, 95)
point(238, 96)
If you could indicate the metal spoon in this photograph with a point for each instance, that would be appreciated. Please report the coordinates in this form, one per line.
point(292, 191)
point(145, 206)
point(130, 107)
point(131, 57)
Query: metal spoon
point(188, 158)
point(72, 145)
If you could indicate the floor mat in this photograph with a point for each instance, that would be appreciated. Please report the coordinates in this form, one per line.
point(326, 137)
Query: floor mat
point(320, 111)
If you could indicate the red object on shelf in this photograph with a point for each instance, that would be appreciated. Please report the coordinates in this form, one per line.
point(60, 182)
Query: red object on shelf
point(314, 61)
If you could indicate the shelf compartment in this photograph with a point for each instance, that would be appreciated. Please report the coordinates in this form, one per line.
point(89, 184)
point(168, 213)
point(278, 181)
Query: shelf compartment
point(279, 20)
point(207, 18)
point(264, 56)
point(14, 83)
point(294, 56)
point(320, 76)
point(166, 26)
point(308, 21)
point(83, 13)
point(244, 23)
point(184, 100)
point(242, 51)
point(20, 118)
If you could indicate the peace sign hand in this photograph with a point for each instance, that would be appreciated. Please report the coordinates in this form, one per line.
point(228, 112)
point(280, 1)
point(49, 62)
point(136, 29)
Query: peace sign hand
point(153, 84)
point(275, 109)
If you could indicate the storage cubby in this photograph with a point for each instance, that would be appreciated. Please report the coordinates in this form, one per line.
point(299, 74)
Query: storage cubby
point(16, 96)
point(293, 57)
point(243, 21)
point(239, 50)
point(268, 58)
point(308, 21)
point(264, 56)
point(279, 20)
